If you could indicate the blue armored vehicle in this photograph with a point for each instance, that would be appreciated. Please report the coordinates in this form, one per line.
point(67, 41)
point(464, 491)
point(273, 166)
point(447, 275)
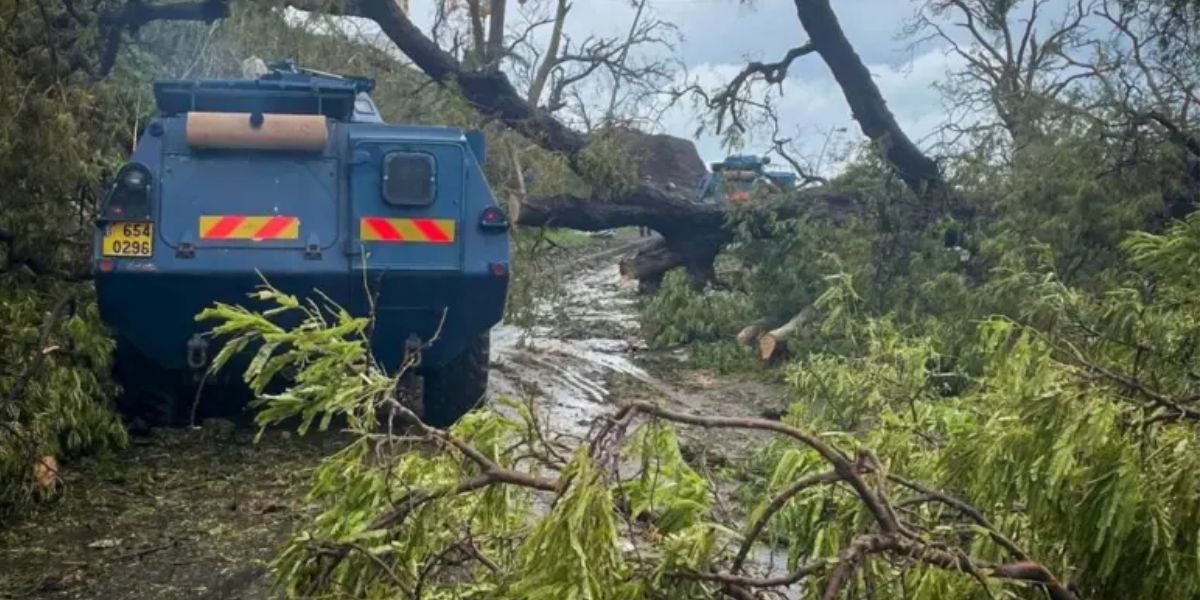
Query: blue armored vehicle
point(295, 176)
point(738, 176)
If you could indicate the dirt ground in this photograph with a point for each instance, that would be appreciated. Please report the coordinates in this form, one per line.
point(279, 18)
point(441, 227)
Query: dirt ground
point(198, 513)
point(183, 513)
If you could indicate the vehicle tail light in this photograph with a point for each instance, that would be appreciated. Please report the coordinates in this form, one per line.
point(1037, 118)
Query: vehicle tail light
point(129, 198)
point(498, 269)
point(492, 218)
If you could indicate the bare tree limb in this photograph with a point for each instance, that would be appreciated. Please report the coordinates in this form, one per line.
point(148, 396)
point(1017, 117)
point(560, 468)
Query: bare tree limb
point(550, 59)
point(495, 43)
point(776, 504)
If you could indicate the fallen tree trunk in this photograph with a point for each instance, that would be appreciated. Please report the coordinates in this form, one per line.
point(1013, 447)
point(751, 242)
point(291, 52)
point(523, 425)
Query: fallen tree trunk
point(650, 262)
point(668, 168)
point(773, 344)
point(692, 233)
point(665, 213)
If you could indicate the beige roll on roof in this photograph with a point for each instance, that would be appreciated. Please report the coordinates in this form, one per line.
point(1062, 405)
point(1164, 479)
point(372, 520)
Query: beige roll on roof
point(276, 132)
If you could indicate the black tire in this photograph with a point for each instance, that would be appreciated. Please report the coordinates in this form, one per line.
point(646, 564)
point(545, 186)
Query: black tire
point(455, 388)
point(148, 394)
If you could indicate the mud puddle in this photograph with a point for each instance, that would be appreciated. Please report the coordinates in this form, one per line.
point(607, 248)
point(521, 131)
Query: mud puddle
point(569, 375)
point(586, 355)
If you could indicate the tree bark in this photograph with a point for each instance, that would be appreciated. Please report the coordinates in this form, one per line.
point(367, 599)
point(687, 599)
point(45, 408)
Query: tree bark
point(692, 233)
point(495, 43)
point(696, 255)
point(478, 40)
point(550, 60)
point(664, 213)
point(650, 262)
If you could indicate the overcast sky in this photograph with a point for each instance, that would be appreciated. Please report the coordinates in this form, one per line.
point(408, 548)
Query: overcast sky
point(720, 36)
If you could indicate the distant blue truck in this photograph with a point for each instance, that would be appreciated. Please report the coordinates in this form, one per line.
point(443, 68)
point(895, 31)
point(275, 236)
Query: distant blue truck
point(736, 178)
point(295, 175)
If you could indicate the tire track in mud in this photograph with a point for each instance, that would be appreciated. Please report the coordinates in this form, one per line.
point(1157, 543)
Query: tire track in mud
point(588, 346)
point(566, 360)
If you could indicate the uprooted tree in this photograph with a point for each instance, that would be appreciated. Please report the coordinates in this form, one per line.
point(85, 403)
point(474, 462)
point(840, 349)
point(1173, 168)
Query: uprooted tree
point(645, 191)
point(626, 177)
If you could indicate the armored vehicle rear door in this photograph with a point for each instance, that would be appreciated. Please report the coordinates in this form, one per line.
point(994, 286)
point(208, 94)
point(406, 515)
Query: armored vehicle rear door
point(406, 204)
point(247, 199)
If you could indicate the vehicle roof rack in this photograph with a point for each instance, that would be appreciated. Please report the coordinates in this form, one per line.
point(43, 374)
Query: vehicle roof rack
point(286, 88)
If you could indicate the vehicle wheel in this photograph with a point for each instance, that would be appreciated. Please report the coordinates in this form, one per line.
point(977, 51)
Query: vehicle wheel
point(458, 386)
point(148, 394)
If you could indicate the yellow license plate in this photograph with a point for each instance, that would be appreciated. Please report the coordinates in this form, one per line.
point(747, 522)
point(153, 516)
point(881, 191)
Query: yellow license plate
point(128, 239)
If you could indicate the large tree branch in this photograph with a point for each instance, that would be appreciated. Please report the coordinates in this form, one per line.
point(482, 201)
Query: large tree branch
point(136, 13)
point(1175, 133)
point(492, 94)
point(917, 170)
point(495, 43)
point(551, 58)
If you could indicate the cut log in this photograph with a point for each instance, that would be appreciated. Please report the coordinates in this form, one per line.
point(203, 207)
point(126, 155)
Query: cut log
point(773, 344)
point(749, 334)
point(45, 471)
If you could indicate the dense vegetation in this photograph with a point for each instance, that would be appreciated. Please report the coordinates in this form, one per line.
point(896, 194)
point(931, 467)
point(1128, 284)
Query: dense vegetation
point(1006, 384)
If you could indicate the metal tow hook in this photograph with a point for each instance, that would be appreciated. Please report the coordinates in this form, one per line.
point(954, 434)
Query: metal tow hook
point(412, 351)
point(410, 389)
point(197, 352)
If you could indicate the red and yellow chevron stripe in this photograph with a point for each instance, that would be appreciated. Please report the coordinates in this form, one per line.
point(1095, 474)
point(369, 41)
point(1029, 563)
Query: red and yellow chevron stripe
point(383, 229)
point(249, 227)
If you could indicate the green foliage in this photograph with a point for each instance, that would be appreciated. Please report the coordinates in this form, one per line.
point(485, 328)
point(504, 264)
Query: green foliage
point(606, 165)
point(492, 509)
point(53, 385)
point(1030, 352)
point(666, 487)
point(580, 533)
point(390, 509)
point(678, 314)
point(328, 344)
point(1073, 434)
point(1066, 196)
point(61, 135)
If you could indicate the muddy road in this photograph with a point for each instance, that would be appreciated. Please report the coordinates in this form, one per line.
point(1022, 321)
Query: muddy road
point(198, 513)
